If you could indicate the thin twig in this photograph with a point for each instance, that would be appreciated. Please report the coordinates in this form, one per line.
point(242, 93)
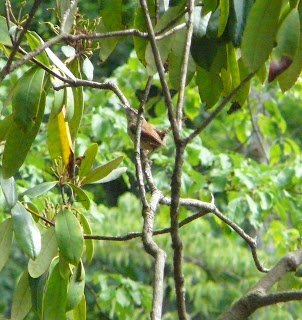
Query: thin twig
point(16, 45)
point(257, 132)
point(184, 66)
point(160, 69)
point(197, 131)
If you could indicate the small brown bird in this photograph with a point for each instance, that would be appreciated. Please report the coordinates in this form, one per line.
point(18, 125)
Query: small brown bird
point(151, 138)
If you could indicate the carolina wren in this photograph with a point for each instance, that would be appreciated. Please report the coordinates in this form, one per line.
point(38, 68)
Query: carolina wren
point(151, 138)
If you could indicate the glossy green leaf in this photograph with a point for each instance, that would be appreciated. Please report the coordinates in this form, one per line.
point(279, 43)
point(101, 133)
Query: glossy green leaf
point(176, 61)
point(64, 267)
point(233, 66)
point(26, 232)
point(227, 82)
point(88, 161)
point(114, 174)
point(75, 122)
point(288, 35)
point(22, 298)
point(37, 288)
point(209, 86)
point(164, 45)
point(239, 10)
point(26, 98)
point(79, 313)
point(107, 44)
point(69, 51)
point(40, 189)
point(243, 94)
point(69, 17)
point(9, 190)
point(4, 34)
point(69, 104)
point(34, 41)
point(258, 37)
point(224, 15)
point(6, 238)
point(59, 97)
point(102, 171)
point(69, 236)
point(18, 143)
point(54, 304)
point(4, 127)
point(49, 249)
point(89, 245)
point(76, 287)
point(88, 69)
point(204, 51)
point(59, 64)
point(200, 22)
point(81, 197)
point(289, 77)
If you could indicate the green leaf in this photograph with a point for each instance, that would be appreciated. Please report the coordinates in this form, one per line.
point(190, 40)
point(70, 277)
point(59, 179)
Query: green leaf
point(4, 34)
point(243, 94)
point(69, 51)
point(40, 189)
point(102, 171)
point(88, 161)
point(26, 232)
point(68, 17)
point(289, 77)
point(209, 86)
point(37, 288)
point(176, 61)
point(224, 15)
point(204, 51)
point(76, 287)
point(4, 127)
point(239, 10)
point(18, 143)
point(59, 97)
point(288, 35)
point(26, 98)
point(6, 238)
point(200, 22)
point(259, 34)
point(164, 45)
point(69, 104)
point(88, 69)
point(64, 267)
point(284, 178)
point(114, 174)
point(107, 44)
point(81, 196)
point(34, 41)
point(54, 304)
point(49, 249)
point(79, 313)
point(75, 122)
point(22, 298)
point(69, 236)
point(88, 242)
point(9, 190)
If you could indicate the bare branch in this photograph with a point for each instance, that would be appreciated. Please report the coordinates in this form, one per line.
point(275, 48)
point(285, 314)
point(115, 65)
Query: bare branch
point(249, 240)
point(258, 295)
point(184, 67)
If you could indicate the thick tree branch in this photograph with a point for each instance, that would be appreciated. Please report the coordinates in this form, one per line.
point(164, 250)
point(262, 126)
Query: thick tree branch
point(258, 295)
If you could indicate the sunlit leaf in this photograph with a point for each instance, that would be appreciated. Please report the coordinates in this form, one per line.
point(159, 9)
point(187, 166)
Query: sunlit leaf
point(88, 242)
point(89, 158)
point(81, 196)
point(6, 237)
point(35, 41)
point(40, 189)
point(9, 190)
point(69, 236)
point(79, 313)
point(102, 171)
point(54, 303)
point(113, 175)
point(4, 35)
point(48, 250)
point(26, 232)
point(18, 143)
point(88, 69)
point(69, 16)
point(258, 37)
point(22, 298)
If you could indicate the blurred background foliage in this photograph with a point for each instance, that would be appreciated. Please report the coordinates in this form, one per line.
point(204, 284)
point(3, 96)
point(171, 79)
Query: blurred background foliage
point(250, 160)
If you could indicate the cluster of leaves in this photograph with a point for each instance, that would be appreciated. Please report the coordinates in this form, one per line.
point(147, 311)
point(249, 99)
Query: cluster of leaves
point(228, 44)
